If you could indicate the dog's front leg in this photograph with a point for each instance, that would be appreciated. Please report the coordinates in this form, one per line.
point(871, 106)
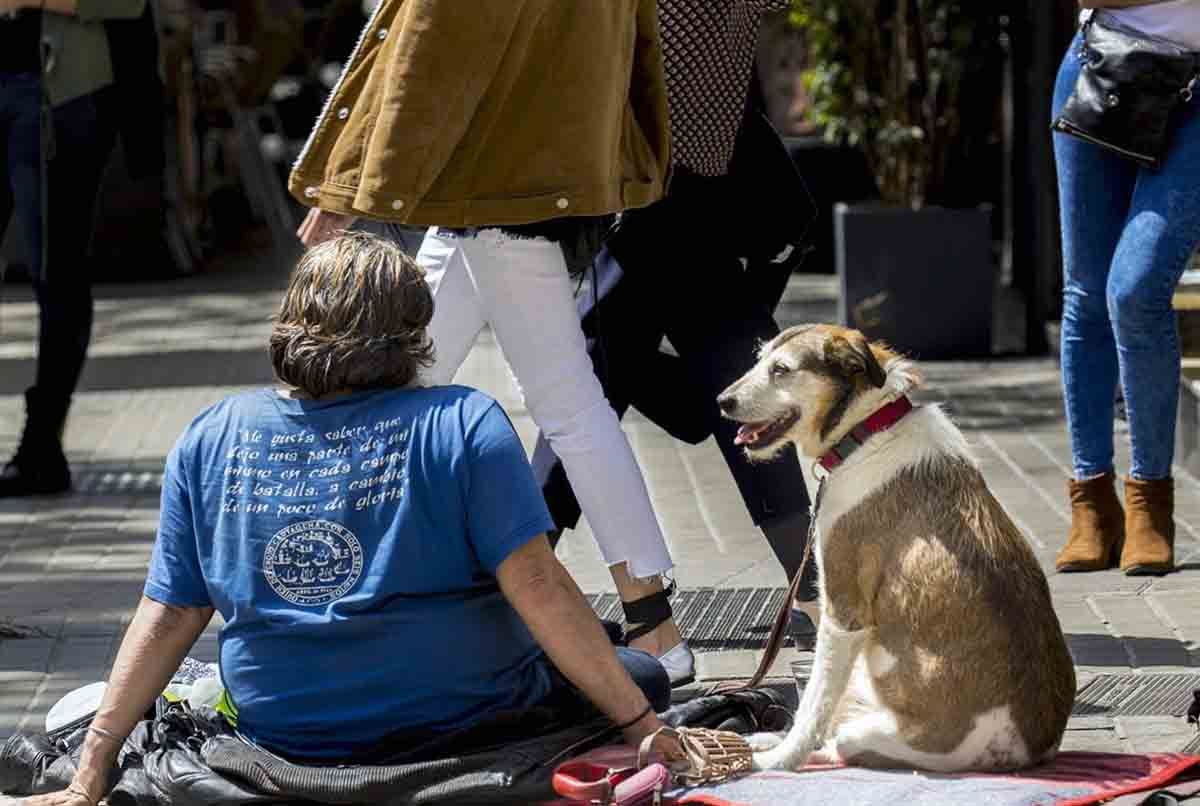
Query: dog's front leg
point(836, 653)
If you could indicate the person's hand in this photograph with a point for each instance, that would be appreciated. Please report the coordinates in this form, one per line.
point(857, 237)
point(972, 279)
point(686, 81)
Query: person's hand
point(319, 225)
point(67, 797)
point(664, 744)
point(11, 7)
point(668, 747)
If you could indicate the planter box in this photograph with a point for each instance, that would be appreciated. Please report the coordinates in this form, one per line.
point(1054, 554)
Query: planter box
point(923, 281)
point(833, 173)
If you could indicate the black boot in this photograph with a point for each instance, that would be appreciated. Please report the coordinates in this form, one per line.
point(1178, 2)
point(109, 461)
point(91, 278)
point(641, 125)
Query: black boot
point(39, 466)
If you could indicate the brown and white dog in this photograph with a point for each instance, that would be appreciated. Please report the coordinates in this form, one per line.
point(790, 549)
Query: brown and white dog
point(937, 648)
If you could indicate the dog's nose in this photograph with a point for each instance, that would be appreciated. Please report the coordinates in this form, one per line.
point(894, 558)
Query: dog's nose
point(728, 403)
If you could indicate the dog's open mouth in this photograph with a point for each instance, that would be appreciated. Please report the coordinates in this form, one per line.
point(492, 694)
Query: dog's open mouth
point(763, 434)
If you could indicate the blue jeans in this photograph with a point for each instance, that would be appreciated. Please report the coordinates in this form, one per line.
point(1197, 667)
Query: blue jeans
point(563, 706)
point(1128, 234)
point(647, 673)
point(408, 238)
point(569, 705)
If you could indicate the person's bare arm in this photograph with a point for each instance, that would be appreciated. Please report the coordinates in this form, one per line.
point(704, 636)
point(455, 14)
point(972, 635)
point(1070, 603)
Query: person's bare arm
point(552, 606)
point(321, 225)
point(158, 638)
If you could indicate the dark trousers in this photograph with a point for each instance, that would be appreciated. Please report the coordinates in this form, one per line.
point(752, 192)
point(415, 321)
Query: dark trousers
point(647, 673)
point(684, 278)
point(564, 706)
point(56, 225)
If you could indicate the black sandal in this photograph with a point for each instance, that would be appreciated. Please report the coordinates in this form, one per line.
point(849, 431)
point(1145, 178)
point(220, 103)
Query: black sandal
point(647, 614)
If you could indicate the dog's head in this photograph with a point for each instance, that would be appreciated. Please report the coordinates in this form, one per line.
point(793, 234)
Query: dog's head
point(811, 385)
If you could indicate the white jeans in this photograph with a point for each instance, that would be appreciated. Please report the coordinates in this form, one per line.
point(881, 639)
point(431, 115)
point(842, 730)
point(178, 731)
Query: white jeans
point(520, 287)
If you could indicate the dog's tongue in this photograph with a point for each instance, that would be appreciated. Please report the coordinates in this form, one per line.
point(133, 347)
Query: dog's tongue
point(748, 434)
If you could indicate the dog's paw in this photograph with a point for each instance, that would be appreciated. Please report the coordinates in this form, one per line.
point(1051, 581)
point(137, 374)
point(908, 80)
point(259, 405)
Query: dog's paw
point(770, 760)
point(761, 742)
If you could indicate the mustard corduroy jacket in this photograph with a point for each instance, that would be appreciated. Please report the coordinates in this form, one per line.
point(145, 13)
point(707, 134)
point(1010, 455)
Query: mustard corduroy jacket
point(486, 112)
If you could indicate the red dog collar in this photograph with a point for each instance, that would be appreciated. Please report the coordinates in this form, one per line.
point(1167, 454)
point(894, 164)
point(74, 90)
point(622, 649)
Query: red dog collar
point(883, 419)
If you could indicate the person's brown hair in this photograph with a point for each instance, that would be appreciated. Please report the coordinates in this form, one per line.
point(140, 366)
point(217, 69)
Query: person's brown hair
point(353, 317)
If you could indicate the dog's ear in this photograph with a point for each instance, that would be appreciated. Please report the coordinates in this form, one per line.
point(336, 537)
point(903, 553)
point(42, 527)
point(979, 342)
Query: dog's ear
point(852, 355)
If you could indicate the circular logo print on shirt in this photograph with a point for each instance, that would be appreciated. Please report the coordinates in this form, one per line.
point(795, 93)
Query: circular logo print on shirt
point(313, 563)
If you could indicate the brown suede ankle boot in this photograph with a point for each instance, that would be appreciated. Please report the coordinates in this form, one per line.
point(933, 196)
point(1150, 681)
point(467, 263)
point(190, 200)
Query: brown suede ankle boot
point(1097, 526)
point(1149, 527)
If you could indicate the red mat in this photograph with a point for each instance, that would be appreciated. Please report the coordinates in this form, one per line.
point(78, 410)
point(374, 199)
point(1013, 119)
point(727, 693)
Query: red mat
point(1073, 779)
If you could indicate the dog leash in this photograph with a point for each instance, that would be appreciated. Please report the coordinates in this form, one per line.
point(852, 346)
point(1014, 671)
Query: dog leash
point(712, 756)
point(881, 420)
point(778, 632)
point(715, 755)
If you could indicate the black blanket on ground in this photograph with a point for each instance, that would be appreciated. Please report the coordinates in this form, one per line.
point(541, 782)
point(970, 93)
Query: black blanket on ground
point(192, 757)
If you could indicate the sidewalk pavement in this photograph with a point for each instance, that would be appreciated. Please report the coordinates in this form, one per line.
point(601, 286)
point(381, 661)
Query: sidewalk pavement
point(71, 567)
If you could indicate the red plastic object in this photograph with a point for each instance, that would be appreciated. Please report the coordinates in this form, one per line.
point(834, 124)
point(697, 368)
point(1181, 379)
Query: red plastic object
point(585, 782)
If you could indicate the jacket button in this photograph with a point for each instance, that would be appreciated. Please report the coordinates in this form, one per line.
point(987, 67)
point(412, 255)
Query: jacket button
point(382, 34)
point(311, 192)
point(343, 113)
point(562, 204)
point(398, 204)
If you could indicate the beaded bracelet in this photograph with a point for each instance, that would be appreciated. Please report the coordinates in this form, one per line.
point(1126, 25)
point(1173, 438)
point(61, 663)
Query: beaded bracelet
point(106, 734)
point(71, 787)
point(636, 719)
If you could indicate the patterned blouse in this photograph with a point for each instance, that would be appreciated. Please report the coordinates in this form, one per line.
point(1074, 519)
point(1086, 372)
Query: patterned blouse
point(709, 48)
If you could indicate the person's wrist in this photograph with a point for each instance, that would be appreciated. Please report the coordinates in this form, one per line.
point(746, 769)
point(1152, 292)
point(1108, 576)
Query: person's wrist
point(639, 730)
point(91, 782)
point(90, 794)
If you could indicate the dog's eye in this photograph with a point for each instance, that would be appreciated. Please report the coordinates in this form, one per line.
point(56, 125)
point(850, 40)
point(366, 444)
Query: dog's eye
point(779, 369)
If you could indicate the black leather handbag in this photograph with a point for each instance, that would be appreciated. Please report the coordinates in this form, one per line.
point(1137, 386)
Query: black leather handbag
point(1129, 93)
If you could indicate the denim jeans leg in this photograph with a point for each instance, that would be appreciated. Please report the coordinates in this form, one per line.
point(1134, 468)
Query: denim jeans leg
point(1095, 192)
point(649, 675)
point(1157, 242)
point(407, 238)
point(645, 670)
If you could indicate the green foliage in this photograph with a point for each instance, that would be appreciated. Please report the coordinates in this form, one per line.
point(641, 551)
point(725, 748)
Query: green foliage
point(916, 84)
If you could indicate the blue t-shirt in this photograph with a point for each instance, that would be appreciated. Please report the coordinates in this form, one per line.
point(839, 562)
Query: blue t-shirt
point(351, 546)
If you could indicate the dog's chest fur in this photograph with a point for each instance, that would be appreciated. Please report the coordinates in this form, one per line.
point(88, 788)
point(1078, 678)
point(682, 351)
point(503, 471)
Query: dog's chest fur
point(914, 549)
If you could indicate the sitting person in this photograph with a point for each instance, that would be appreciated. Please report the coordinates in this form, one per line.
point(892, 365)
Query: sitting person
point(377, 549)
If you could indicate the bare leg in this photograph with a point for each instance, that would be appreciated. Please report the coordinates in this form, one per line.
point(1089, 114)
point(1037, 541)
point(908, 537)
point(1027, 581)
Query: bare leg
point(663, 637)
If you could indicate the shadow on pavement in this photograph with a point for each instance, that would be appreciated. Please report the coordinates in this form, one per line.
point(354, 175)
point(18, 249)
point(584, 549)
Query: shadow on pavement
point(177, 369)
point(1092, 649)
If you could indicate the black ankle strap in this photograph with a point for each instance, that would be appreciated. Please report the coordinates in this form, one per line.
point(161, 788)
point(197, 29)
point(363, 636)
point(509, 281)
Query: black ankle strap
point(648, 612)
